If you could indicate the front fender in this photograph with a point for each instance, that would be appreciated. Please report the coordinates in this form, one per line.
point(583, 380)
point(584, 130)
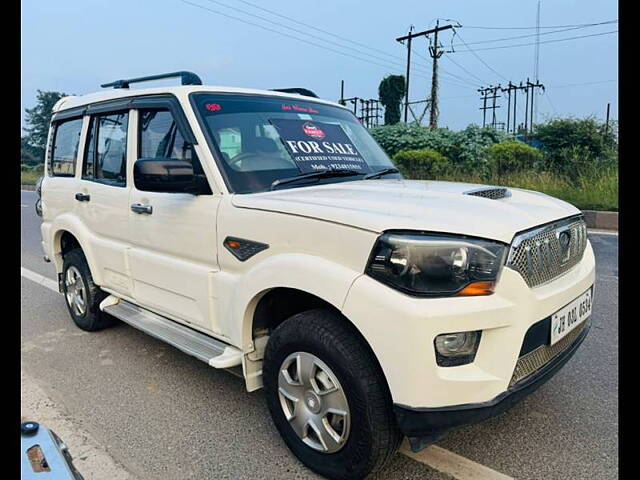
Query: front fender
point(327, 280)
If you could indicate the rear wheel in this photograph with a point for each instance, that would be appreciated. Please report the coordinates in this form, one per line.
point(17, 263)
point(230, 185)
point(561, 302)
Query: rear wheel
point(82, 296)
point(328, 397)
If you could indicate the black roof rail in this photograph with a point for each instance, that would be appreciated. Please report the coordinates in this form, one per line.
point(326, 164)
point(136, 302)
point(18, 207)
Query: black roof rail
point(299, 91)
point(188, 78)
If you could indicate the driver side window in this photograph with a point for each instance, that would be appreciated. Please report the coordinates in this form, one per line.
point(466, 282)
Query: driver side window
point(160, 137)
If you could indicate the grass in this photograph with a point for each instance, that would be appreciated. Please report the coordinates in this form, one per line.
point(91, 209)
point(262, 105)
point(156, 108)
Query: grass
point(29, 176)
point(594, 190)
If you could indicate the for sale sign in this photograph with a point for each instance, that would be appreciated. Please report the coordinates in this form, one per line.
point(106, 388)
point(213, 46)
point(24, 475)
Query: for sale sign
point(318, 146)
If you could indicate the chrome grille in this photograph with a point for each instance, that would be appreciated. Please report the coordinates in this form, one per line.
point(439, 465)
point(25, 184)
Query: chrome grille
point(534, 360)
point(544, 253)
point(493, 193)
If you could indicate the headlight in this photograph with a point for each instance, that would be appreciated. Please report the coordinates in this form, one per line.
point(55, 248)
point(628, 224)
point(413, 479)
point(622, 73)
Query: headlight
point(432, 265)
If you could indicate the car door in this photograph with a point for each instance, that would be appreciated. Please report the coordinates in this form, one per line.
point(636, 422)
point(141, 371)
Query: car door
point(102, 196)
point(173, 258)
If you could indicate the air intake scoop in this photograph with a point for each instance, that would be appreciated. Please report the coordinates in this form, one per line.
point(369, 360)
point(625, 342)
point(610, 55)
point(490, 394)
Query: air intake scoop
point(495, 193)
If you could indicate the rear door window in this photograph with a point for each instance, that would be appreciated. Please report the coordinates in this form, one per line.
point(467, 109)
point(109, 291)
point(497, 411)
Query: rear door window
point(64, 150)
point(106, 153)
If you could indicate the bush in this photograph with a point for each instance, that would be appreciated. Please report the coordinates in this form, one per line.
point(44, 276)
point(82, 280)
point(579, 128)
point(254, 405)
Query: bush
point(464, 148)
point(509, 157)
point(421, 164)
point(569, 144)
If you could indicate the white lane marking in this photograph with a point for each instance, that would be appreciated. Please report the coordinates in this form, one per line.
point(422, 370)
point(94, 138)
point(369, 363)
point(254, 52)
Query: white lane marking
point(452, 464)
point(39, 279)
point(602, 232)
point(23, 205)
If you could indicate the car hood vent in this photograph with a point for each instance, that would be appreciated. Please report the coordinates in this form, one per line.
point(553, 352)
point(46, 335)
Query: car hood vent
point(494, 193)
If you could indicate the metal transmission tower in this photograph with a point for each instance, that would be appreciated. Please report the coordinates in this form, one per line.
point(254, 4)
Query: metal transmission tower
point(512, 112)
point(493, 97)
point(436, 52)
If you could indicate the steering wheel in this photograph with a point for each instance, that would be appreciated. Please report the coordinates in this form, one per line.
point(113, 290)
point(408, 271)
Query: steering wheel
point(273, 160)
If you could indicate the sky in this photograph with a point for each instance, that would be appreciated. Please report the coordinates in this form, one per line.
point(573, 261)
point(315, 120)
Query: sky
point(73, 46)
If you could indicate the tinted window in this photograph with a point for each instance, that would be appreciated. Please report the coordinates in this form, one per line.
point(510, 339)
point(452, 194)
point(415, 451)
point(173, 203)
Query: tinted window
point(65, 148)
point(105, 159)
point(160, 137)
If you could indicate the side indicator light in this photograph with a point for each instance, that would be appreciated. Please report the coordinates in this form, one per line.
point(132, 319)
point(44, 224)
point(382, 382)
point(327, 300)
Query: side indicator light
point(243, 249)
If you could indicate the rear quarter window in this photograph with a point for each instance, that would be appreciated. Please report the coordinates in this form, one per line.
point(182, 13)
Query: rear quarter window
point(64, 148)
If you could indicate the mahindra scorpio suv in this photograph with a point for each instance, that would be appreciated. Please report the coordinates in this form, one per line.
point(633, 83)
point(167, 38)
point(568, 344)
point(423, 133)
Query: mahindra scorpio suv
point(266, 232)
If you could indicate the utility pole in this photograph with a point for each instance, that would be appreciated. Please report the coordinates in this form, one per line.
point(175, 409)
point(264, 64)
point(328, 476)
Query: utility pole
point(406, 89)
point(606, 125)
point(341, 92)
point(435, 53)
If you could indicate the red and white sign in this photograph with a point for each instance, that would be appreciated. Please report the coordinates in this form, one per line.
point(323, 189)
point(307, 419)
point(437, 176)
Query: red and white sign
point(311, 130)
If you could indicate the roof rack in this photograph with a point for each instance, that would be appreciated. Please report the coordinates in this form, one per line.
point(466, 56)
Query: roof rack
point(188, 78)
point(299, 91)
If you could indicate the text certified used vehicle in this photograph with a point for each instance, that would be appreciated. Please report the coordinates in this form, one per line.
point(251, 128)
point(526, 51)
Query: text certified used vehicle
point(266, 231)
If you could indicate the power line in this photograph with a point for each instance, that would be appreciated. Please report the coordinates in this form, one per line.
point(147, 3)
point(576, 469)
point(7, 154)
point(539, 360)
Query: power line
point(462, 68)
point(546, 41)
point(548, 26)
point(504, 39)
point(316, 28)
point(469, 82)
point(279, 24)
point(581, 84)
point(480, 58)
point(217, 12)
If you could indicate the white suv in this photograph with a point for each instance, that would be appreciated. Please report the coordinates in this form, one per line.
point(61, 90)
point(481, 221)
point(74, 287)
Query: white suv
point(267, 232)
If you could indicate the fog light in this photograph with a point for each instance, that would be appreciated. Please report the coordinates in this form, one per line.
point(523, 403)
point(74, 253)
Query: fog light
point(459, 348)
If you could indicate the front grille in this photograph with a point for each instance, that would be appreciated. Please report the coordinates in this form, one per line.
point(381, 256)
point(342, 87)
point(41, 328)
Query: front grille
point(544, 253)
point(493, 193)
point(534, 360)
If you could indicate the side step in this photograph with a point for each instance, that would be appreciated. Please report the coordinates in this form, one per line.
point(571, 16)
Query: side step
point(210, 350)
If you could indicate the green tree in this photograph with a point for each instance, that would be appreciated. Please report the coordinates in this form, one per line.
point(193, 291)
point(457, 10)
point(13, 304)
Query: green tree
point(391, 91)
point(37, 120)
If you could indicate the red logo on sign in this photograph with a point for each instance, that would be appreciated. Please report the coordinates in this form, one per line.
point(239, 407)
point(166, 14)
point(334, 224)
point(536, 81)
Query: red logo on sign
point(213, 107)
point(313, 131)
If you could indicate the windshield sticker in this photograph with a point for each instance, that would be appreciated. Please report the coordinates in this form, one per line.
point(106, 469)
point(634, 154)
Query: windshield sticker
point(213, 107)
point(298, 108)
point(304, 116)
point(316, 146)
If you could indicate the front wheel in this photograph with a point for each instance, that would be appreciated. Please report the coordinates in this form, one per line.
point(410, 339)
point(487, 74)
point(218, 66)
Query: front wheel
point(328, 397)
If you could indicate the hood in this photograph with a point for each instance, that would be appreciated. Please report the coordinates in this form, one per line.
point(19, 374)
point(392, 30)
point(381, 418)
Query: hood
point(379, 205)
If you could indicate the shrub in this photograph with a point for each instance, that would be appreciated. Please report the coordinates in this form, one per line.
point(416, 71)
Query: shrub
point(421, 164)
point(570, 143)
point(402, 136)
point(512, 156)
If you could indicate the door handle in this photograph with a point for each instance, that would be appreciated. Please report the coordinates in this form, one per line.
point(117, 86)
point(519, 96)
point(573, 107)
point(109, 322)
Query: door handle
point(140, 208)
point(83, 197)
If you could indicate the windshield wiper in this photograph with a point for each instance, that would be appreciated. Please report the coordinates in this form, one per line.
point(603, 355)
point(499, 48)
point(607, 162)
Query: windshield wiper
point(381, 173)
point(315, 175)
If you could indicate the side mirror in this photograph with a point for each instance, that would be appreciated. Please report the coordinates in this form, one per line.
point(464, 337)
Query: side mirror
point(166, 175)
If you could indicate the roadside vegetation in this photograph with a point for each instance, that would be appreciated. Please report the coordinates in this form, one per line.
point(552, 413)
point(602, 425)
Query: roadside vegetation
point(575, 160)
point(569, 158)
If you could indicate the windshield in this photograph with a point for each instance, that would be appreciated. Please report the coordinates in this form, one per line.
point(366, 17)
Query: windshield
point(258, 140)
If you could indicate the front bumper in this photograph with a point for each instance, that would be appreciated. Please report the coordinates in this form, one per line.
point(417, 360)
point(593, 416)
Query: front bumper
point(424, 426)
point(401, 330)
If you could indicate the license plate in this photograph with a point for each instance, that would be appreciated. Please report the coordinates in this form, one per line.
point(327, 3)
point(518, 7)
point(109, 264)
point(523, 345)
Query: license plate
point(569, 317)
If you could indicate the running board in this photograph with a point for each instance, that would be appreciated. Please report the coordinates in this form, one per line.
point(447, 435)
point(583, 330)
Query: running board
point(211, 351)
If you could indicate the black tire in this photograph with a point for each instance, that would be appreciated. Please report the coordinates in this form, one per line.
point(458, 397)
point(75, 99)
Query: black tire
point(92, 319)
point(374, 436)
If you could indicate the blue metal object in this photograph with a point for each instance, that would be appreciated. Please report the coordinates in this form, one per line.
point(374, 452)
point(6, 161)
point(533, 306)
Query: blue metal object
point(44, 456)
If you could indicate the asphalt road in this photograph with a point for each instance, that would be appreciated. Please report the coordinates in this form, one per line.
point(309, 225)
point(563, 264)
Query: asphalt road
point(165, 415)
